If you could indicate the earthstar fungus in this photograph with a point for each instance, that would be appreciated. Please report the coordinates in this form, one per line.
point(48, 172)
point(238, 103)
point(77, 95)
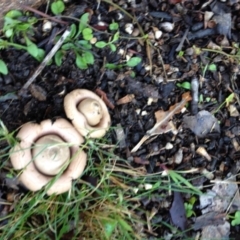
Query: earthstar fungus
point(88, 113)
point(40, 151)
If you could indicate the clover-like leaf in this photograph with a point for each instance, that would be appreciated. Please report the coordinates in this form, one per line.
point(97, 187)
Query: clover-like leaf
point(236, 220)
point(83, 22)
point(80, 62)
point(134, 61)
point(9, 33)
point(68, 46)
point(13, 14)
point(114, 26)
point(185, 85)
point(101, 44)
point(84, 44)
point(113, 47)
point(212, 67)
point(88, 57)
point(57, 7)
point(32, 50)
point(87, 33)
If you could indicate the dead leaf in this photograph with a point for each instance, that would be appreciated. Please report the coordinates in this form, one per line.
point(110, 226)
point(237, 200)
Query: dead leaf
point(162, 120)
point(38, 92)
point(126, 99)
point(233, 110)
point(178, 212)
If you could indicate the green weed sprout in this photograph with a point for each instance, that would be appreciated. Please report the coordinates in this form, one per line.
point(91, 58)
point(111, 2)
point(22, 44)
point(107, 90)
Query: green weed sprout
point(184, 85)
point(132, 62)
point(3, 67)
point(235, 219)
point(227, 101)
point(81, 48)
point(189, 207)
point(14, 27)
point(57, 7)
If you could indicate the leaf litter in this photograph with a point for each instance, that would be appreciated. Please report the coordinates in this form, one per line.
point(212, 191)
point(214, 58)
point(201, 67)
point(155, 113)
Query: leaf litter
point(169, 137)
point(162, 120)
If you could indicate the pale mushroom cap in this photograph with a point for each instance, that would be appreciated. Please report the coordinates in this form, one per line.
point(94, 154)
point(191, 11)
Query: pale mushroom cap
point(21, 156)
point(92, 111)
point(71, 102)
point(50, 153)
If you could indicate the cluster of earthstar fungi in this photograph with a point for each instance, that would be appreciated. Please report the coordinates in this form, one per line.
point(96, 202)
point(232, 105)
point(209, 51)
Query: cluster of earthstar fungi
point(51, 150)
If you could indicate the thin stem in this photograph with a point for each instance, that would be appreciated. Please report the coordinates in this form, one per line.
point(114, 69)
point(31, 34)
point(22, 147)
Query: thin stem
point(220, 52)
point(43, 14)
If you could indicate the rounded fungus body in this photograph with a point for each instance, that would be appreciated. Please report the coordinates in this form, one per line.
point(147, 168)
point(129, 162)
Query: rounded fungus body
point(46, 151)
point(88, 113)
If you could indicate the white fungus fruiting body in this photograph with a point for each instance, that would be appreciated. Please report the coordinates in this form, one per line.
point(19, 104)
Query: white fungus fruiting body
point(50, 154)
point(38, 141)
point(92, 110)
point(88, 113)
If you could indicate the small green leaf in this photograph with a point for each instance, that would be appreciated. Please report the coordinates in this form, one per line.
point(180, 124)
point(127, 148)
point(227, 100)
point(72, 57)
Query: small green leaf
point(192, 200)
point(101, 44)
point(41, 54)
point(83, 22)
point(236, 220)
point(80, 62)
point(181, 54)
point(115, 37)
point(58, 58)
point(68, 46)
point(185, 85)
point(23, 26)
point(10, 175)
point(189, 211)
point(73, 30)
point(87, 34)
point(3, 67)
point(32, 20)
point(114, 26)
point(113, 47)
point(14, 14)
point(111, 66)
point(134, 61)
point(208, 99)
point(88, 57)
point(57, 7)
point(9, 33)
point(9, 22)
point(85, 44)
point(33, 50)
point(229, 99)
point(212, 67)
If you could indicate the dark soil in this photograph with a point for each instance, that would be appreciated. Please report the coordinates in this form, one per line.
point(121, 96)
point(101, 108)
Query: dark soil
point(156, 77)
